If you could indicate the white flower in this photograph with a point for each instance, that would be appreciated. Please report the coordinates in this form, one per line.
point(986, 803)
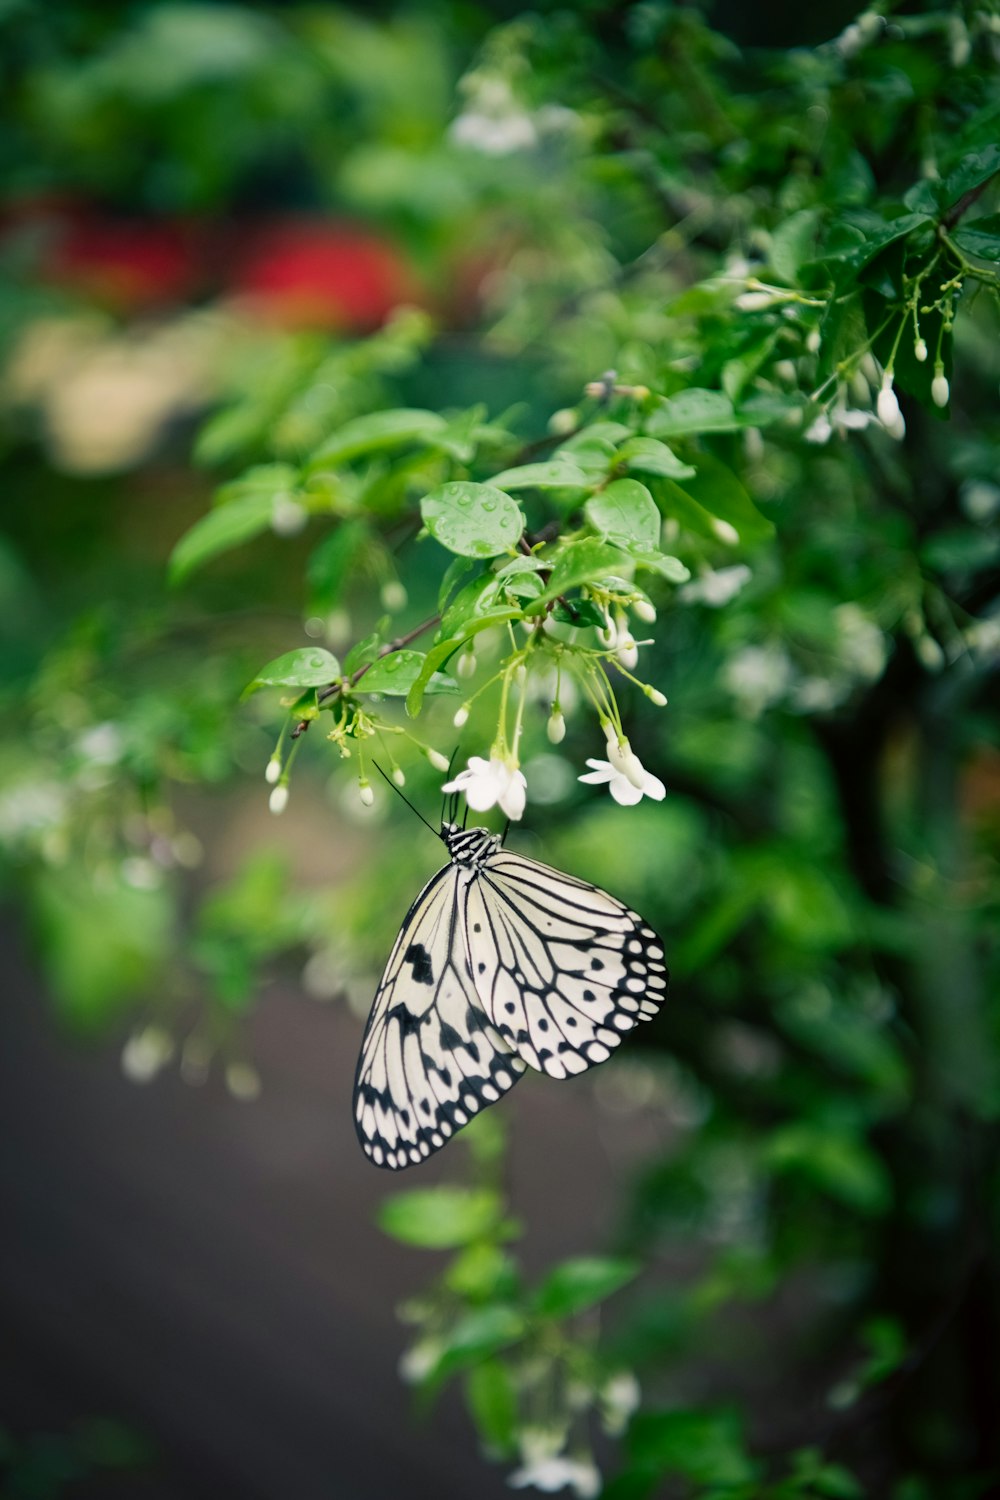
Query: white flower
point(556, 727)
point(489, 783)
point(366, 793)
point(393, 595)
point(278, 799)
point(626, 777)
point(145, 1053)
point(715, 587)
point(287, 517)
point(940, 389)
point(887, 406)
point(555, 1473)
point(758, 676)
point(461, 716)
point(619, 1396)
point(272, 775)
point(840, 420)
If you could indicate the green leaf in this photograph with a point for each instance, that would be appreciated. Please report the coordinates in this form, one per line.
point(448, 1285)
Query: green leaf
point(625, 512)
point(441, 1218)
point(835, 1162)
point(479, 1335)
point(693, 411)
point(704, 1446)
point(222, 529)
point(981, 238)
point(474, 520)
point(330, 563)
point(458, 569)
point(650, 456)
point(436, 657)
point(792, 244)
point(492, 1402)
point(714, 492)
point(101, 943)
point(578, 1284)
point(395, 673)
point(876, 234)
point(477, 598)
point(377, 432)
point(671, 568)
point(558, 474)
point(976, 168)
point(582, 562)
point(310, 666)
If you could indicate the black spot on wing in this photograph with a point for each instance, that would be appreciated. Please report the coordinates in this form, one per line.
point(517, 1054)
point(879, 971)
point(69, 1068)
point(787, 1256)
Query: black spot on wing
point(417, 956)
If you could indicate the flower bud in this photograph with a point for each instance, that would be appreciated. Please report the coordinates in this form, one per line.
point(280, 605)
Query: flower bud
point(940, 389)
point(725, 532)
point(556, 727)
point(365, 792)
point(436, 759)
point(243, 1081)
point(461, 717)
point(627, 651)
point(655, 696)
point(398, 776)
point(813, 340)
point(920, 351)
point(520, 674)
point(394, 596)
point(645, 610)
point(278, 799)
point(887, 406)
point(273, 771)
point(466, 665)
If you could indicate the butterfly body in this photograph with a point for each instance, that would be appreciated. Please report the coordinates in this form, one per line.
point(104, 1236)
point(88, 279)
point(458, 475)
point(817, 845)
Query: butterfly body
point(501, 964)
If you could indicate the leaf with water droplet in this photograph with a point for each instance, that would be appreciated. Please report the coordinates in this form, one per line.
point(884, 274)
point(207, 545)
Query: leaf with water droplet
point(395, 674)
point(474, 520)
point(309, 667)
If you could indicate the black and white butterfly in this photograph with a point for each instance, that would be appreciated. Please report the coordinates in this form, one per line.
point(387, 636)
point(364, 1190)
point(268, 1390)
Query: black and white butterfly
point(501, 964)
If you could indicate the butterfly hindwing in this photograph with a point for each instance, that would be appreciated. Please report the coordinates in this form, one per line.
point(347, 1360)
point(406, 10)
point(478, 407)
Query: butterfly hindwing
point(431, 1057)
point(563, 969)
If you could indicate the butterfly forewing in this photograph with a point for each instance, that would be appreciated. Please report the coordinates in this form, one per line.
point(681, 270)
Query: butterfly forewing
point(501, 963)
point(430, 1058)
point(563, 969)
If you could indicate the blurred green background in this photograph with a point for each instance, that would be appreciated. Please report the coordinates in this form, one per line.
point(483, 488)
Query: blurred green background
point(226, 232)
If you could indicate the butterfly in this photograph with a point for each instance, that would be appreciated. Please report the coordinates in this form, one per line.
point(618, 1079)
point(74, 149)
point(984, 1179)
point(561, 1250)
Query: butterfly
point(501, 964)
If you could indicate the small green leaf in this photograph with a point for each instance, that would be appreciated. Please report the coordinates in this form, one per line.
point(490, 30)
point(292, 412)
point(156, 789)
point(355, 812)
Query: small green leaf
point(395, 673)
point(441, 1218)
point(458, 569)
point(474, 520)
point(625, 512)
point(693, 411)
point(650, 456)
point(876, 235)
point(376, 432)
point(578, 1284)
point(222, 529)
point(492, 1403)
point(582, 562)
point(835, 1162)
point(436, 656)
point(366, 650)
point(669, 567)
point(557, 474)
point(309, 667)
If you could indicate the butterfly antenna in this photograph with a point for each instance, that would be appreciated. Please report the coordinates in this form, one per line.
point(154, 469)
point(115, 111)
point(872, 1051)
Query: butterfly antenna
point(389, 782)
point(449, 802)
point(503, 836)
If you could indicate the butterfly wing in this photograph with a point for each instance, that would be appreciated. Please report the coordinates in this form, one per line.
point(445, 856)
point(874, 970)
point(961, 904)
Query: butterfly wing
point(430, 1058)
point(563, 969)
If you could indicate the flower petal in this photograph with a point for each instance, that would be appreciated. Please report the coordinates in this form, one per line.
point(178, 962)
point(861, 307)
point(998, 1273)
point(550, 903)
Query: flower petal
point(624, 792)
point(653, 787)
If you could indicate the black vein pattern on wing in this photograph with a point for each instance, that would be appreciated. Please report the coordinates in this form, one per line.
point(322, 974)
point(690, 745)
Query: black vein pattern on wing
point(574, 968)
point(430, 1058)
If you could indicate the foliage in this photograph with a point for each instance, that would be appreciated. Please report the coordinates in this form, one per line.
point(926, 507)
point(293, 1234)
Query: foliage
point(705, 342)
